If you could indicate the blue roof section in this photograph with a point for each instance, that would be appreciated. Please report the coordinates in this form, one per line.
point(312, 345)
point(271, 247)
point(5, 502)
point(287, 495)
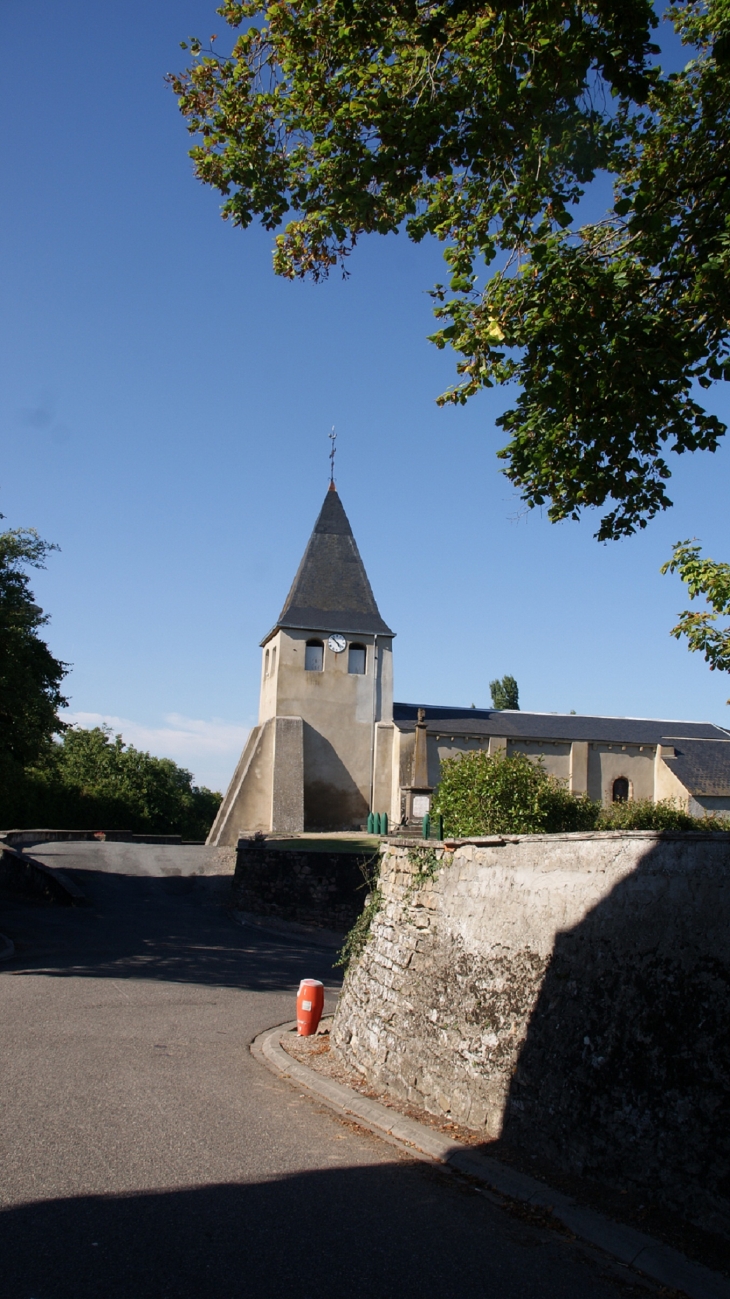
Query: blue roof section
point(444, 720)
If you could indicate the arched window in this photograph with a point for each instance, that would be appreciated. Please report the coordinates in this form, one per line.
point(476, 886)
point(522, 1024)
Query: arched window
point(273, 662)
point(356, 660)
point(266, 663)
point(621, 790)
point(314, 656)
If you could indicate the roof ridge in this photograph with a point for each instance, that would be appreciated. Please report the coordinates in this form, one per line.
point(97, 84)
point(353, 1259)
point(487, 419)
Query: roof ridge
point(700, 739)
point(529, 712)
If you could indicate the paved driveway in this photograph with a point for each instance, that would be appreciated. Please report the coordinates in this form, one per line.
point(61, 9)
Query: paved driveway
point(147, 1155)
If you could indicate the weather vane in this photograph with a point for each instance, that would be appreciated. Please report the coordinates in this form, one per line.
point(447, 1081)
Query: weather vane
point(333, 450)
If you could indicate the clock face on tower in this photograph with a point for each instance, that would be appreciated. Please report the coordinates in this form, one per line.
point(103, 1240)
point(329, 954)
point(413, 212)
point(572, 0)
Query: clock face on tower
point(337, 643)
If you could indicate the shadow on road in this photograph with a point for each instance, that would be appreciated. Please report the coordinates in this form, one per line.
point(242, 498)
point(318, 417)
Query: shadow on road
point(375, 1231)
point(176, 928)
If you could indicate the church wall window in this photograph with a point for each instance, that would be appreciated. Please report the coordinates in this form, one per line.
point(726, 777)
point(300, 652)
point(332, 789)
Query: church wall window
point(621, 790)
point(314, 656)
point(273, 661)
point(357, 660)
point(266, 663)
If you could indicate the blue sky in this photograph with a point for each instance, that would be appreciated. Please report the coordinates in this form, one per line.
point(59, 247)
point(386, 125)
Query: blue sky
point(165, 403)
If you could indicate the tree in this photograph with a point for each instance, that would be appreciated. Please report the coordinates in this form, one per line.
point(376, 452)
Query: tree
point(92, 780)
point(505, 693)
point(339, 118)
point(703, 577)
point(30, 677)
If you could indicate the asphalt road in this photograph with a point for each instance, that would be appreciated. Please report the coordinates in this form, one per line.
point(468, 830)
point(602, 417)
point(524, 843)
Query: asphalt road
point(147, 1155)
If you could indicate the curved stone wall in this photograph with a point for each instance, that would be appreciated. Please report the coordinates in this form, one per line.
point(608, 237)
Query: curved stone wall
point(569, 994)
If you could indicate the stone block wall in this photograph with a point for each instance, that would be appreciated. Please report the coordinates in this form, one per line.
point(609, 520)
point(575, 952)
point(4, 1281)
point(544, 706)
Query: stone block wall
point(319, 888)
point(567, 994)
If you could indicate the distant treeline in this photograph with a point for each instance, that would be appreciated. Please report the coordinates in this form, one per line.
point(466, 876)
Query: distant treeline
point(53, 776)
point(91, 780)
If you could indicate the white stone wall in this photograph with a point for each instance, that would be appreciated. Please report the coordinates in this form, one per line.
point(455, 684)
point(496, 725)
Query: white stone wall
point(570, 992)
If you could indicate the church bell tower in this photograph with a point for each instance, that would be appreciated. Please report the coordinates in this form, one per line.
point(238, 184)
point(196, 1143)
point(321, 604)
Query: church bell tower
point(320, 756)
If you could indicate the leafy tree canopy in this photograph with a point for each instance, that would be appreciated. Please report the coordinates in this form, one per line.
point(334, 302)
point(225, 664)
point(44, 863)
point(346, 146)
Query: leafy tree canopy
point(92, 780)
point(30, 677)
point(338, 118)
point(505, 693)
point(703, 577)
point(126, 787)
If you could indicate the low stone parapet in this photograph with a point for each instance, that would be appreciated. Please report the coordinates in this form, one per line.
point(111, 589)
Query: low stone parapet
point(27, 877)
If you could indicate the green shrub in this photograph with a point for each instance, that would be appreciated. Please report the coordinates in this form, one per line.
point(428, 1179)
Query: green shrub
point(479, 794)
point(643, 814)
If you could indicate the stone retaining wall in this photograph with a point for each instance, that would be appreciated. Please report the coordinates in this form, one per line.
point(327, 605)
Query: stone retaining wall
point(569, 994)
point(323, 889)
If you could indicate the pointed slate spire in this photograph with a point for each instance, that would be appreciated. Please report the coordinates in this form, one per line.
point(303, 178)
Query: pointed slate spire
point(331, 591)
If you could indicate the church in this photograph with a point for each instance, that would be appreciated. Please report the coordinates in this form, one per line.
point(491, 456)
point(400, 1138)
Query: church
point(331, 746)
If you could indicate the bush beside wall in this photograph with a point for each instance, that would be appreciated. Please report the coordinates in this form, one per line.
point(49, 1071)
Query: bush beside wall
point(481, 794)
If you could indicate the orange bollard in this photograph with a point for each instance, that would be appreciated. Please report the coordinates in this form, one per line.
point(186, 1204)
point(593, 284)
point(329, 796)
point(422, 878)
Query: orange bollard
point(310, 1004)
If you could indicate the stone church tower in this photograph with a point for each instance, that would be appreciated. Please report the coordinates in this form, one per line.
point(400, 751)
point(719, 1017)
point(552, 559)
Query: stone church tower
point(321, 755)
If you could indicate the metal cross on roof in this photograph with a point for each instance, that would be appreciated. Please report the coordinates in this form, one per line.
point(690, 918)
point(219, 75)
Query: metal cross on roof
point(333, 450)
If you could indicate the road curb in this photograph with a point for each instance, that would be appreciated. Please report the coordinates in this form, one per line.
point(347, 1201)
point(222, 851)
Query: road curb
point(632, 1248)
point(7, 948)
